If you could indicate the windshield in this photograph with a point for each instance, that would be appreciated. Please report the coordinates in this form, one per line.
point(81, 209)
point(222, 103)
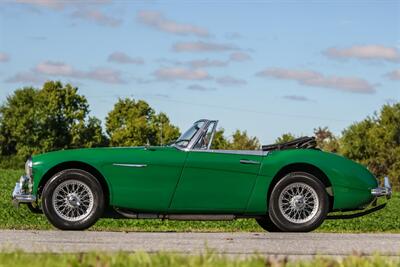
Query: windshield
point(184, 139)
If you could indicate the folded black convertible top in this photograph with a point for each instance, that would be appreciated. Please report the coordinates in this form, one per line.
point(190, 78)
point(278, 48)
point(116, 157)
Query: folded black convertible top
point(304, 142)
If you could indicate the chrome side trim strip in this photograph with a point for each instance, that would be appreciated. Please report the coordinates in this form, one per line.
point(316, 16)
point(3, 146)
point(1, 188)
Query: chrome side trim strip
point(245, 161)
point(130, 165)
point(236, 152)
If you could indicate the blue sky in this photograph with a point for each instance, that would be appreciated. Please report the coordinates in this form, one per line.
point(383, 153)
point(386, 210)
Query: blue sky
point(269, 67)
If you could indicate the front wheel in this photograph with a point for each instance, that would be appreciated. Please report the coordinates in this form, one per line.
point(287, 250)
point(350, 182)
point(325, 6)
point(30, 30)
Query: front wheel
point(35, 207)
point(73, 200)
point(298, 203)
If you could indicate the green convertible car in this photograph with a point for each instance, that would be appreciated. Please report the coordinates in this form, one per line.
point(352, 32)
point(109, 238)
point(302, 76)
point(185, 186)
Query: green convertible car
point(288, 187)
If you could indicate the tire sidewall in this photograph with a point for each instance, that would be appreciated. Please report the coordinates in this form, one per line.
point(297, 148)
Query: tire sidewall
point(82, 176)
point(267, 224)
point(276, 215)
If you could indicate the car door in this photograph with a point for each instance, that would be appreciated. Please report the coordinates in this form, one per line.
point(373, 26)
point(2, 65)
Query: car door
point(216, 181)
point(144, 179)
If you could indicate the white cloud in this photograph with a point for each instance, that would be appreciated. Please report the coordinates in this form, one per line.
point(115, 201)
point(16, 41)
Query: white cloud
point(53, 68)
point(197, 87)
point(230, 81)
point(365, 52)
point(60, 4)
point(202, 47)
point(26, 77)
point(96, 16)
point(160, 22)
point(4, 57)
point(316, 79)
point(204, 63)
point(394, 75)
point(296, 98)
point(106, 75)
point(85, 10)
point(120, 57)
point(239, 56)
point(53, 4)
point(178, 73)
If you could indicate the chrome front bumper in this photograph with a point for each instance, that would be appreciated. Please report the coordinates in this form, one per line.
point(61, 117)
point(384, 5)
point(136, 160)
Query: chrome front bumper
point(383, 191)
point(22, 192)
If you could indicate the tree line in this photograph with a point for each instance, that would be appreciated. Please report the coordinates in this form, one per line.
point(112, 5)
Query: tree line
point(57, 117)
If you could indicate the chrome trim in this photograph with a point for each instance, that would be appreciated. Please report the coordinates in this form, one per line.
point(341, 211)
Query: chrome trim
point(28, 167)
point(383, 191)
point(298, 203)
point(198, 134)
point(246, 161)
point(201, 131)
point(19, 196)
point(130, 165)
point(73, 200)
point(235, 152)
point(201, 217)
point(212, 134)
point(131, 214)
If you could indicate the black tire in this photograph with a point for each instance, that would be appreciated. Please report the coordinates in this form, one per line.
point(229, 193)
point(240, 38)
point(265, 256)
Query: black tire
point(35, 208)
point(267, 224)
point(92, 190)
point(281, 212)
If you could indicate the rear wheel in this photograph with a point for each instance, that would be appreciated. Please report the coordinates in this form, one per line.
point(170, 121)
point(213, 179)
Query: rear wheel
point(266, 224)
point(73, 200)
point(298, 203)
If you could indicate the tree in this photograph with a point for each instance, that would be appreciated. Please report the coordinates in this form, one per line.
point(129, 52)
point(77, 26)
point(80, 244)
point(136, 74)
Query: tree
point(165, 132)
point(326, 140)
point(52, 118)
point(375, 142)
point(135, 123)
point(286, 137)
point(241, 141)
point(220, 142)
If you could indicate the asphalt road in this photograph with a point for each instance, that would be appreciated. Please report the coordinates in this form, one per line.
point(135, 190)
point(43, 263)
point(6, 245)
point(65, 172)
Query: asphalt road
point(294, 245)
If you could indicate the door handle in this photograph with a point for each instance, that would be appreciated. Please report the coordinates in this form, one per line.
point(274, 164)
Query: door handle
point(245, 161)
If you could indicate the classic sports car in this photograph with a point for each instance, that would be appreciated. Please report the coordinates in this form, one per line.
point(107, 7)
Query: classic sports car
point(286, 187)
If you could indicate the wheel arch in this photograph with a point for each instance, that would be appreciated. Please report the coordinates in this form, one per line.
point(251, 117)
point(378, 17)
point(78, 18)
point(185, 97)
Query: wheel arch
point(303, 167)
point(76, 165)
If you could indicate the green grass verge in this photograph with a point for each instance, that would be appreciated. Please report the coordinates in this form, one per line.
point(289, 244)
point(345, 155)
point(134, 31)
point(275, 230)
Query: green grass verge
point(386, 220)
point(17, 259)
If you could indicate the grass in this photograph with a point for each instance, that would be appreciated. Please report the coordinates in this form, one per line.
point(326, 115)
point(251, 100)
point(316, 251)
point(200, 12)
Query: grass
point(99, 259)
point(386, 220)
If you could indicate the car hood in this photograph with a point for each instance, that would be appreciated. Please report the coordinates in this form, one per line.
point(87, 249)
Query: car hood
point(92, 155)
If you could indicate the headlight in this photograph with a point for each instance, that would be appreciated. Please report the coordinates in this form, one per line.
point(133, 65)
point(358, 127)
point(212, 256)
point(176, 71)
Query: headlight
point(28, 168)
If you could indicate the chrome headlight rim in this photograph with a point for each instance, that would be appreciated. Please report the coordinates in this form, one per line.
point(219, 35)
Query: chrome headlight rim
point(28, 168)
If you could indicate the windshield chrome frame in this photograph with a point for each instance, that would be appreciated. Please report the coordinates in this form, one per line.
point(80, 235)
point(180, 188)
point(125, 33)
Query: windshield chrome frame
point(212, 134)
point(200, 132)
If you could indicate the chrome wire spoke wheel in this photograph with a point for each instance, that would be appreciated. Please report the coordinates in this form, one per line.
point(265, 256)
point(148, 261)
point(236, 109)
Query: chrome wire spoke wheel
point(298, 203)
point(73, 200)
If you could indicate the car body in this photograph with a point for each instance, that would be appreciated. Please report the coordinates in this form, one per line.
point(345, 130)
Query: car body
point(189, 180)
